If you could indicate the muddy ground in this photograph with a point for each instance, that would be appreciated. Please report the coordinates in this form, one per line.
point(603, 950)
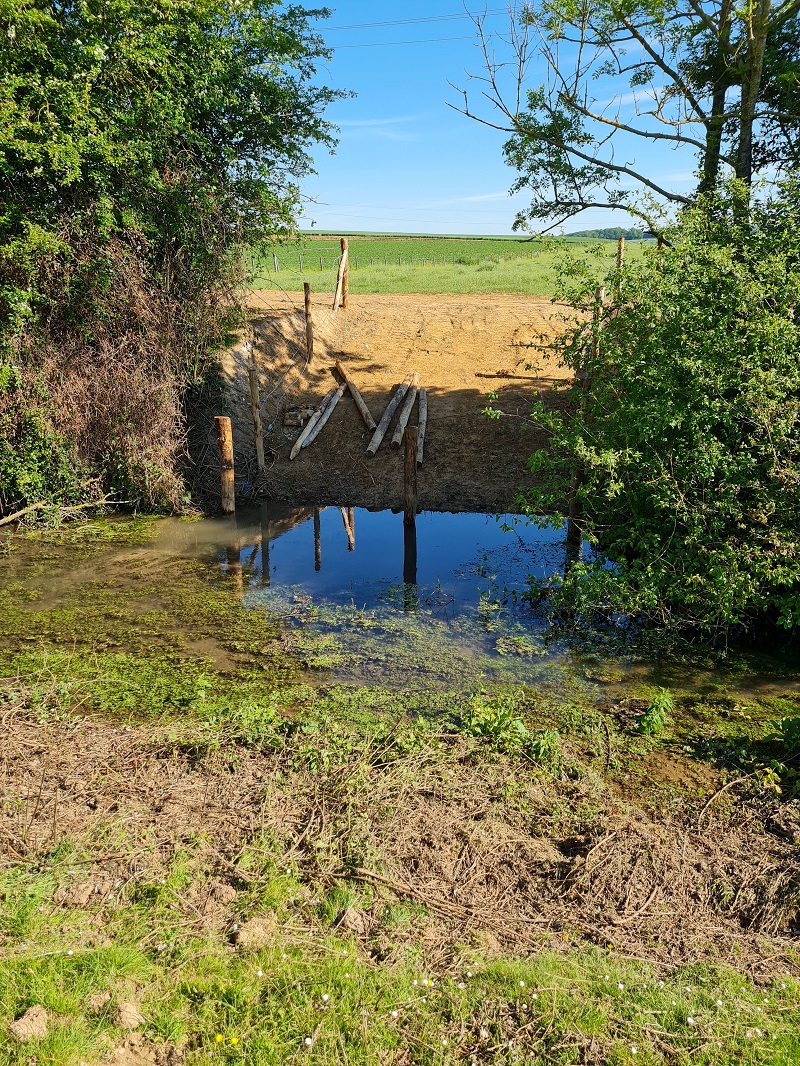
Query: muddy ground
point(463, 346)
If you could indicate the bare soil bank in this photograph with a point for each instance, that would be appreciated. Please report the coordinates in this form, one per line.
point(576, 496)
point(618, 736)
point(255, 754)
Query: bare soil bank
point(463, 347)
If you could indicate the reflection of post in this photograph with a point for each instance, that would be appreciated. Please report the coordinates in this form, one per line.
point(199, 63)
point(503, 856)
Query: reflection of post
point(410, 600)
point(410, 476)
point(347, 516)
point(317, 541)
point(351, 518)
point(265, 574)
point(233, 557)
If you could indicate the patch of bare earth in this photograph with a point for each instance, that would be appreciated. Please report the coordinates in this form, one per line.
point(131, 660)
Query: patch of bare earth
point(463, 347)
point(502, 855)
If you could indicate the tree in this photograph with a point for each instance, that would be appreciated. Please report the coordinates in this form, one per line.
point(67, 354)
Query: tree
point(687, 438)
point(142, 146)
point(718, 80)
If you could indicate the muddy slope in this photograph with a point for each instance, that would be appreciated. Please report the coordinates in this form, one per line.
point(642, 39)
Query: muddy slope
point(464, 347)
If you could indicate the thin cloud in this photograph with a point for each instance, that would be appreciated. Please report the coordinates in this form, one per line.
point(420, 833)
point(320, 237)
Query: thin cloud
point(377, 122)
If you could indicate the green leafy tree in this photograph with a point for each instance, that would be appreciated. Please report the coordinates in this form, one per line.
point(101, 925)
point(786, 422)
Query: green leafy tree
point(711, 78)
point(142, 146)
point(682, 456)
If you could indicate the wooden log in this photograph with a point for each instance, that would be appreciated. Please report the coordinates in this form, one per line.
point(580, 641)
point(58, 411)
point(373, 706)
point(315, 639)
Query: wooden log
point(323, 418)
point(346, 276)
point(298, 444)
point(386, 418)
point(365, 411)
point(405, 412)
point(226, 473)
point(309, 323)
point(255, 411)
point(423, 424)
point(410, 477)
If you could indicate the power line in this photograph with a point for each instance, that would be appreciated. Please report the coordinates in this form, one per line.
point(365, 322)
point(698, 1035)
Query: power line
point(409, 22)
point(390, 44)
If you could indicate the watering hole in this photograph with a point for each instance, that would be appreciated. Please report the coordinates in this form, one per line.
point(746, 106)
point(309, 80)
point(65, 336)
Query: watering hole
point(341, 595)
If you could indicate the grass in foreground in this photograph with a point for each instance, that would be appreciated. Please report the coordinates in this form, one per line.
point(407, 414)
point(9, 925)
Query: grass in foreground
point(299, 882)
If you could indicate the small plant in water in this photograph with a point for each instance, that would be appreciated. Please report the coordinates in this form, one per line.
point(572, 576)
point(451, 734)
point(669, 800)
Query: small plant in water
point(655, 717)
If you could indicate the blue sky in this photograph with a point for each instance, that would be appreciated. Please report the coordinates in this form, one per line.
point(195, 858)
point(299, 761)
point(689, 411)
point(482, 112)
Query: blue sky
point(406, 162)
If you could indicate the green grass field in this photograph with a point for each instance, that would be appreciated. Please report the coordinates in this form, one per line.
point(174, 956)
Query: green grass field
point(383, 264)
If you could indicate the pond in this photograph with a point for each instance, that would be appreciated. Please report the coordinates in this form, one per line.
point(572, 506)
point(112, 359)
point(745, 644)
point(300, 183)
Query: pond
point(352, 596)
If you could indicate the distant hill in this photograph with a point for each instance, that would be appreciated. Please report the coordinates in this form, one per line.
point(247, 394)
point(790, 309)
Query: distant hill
point(613, 233)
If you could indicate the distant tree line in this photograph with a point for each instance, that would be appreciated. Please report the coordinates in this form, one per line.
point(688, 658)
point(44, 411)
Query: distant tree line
point(612, 233)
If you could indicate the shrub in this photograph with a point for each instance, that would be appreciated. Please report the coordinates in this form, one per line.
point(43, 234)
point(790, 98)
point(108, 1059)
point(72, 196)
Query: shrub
point(685, 447)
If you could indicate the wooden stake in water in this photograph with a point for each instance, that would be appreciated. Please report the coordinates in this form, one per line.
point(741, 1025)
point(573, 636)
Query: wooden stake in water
point(410, 476)
point(227, 474)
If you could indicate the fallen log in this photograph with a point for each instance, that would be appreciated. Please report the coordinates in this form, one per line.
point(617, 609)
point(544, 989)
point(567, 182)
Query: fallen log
point(359, 399)
point(386, 418)
point(406, 410)
point(423, 424)
point(301, 440)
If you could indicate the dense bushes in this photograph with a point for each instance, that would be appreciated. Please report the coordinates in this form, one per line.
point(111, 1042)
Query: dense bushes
point(686, 444)
point(141, 145)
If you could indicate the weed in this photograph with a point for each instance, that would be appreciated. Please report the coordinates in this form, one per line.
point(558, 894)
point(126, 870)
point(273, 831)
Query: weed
point(655, 716)
point(496, 722)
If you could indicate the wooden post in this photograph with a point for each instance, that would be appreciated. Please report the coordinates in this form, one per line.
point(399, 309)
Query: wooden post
point(317, 541)
point(410, 476)
point(597, 324)
point(346, 274)
point(321, 267)
point(309, 323)
point(423, 424)
point(325, 415)
point(359, 399)
point(225, 443)
point(386, 418)
point(311, 424)
point(620, 253)
point(340, 277)
point(275, 262)
point(255, 410)
point(405, 413)
point(301, 263)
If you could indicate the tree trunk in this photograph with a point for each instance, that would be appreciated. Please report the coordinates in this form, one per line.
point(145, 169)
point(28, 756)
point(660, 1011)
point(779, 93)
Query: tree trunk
point(757, 29)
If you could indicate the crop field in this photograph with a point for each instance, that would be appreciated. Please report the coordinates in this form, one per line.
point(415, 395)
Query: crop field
point(384, 264)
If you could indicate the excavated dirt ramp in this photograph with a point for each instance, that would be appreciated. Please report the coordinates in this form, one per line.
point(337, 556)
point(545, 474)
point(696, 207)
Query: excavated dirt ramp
point(464, 347)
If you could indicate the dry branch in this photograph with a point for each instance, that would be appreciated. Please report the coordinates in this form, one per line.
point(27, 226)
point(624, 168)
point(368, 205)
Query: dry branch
point(423, 424)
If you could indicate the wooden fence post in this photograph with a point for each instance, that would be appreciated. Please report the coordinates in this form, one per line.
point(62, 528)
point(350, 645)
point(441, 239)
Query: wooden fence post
point(275, 262)
point(255, 410)
point(410, 476)
point(346, 274)
point(309, 323)
point(225, 443)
